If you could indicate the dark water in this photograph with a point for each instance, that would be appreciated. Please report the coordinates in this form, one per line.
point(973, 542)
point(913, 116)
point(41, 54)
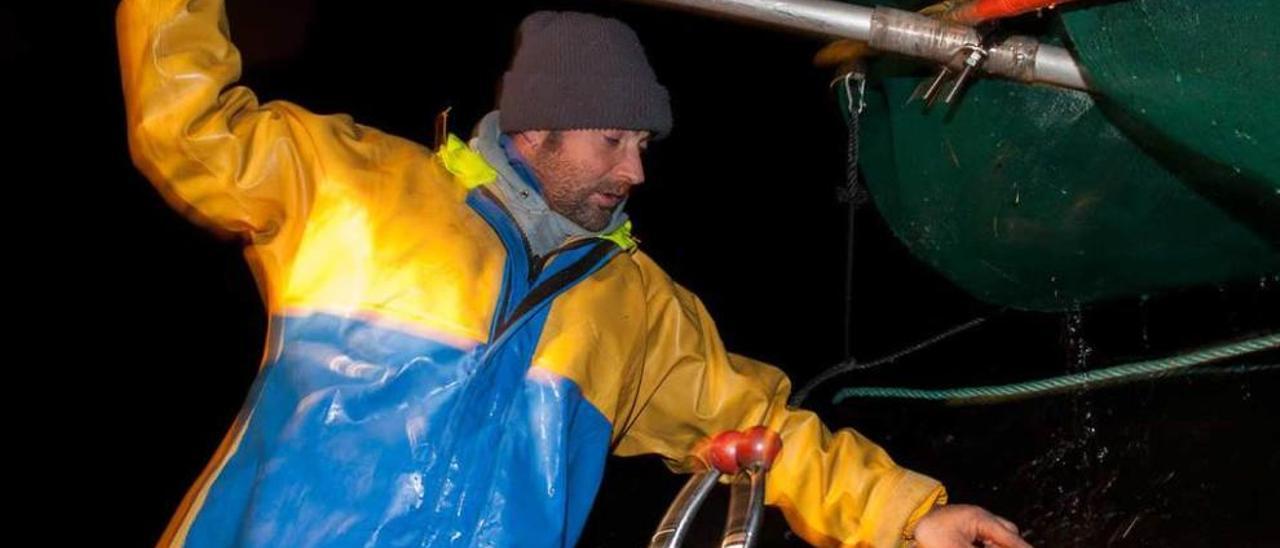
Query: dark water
point(1185, 461)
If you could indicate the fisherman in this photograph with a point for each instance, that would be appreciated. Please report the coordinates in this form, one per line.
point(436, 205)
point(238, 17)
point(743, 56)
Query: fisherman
point(460, 336)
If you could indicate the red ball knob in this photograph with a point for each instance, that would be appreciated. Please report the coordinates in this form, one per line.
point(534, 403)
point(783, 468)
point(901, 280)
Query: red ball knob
point(723, 452)
point(758, 447)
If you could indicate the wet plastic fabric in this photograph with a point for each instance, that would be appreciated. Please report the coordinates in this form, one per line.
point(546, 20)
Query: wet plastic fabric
point(426, 382)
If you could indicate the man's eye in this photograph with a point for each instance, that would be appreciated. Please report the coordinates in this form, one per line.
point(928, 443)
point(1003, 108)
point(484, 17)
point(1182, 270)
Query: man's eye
point(613, 141)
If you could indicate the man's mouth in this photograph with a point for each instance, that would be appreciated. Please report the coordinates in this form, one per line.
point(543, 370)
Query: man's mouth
point(608, 200)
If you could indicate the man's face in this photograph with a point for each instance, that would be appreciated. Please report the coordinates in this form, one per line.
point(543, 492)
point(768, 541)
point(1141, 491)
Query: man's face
point(585, 174)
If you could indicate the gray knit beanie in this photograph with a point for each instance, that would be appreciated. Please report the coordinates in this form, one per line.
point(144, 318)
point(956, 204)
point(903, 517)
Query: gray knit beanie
point(581, 71)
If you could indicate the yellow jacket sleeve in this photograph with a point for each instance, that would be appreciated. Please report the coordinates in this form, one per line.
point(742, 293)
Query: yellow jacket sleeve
point(836, 489)
point(214, 152)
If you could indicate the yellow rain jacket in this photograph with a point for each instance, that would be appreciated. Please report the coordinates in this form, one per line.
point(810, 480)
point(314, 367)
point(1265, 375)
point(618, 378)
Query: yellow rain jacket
point(426, 381)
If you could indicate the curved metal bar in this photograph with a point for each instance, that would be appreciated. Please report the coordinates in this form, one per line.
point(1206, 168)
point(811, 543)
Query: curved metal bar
point(675, 524)
point(746, 510)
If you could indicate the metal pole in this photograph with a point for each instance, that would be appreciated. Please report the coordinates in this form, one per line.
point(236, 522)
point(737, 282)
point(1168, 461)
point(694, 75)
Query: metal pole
point(896, 31)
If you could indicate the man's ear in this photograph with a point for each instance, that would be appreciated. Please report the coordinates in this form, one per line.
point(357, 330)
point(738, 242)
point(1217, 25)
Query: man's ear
point(531, 139)
point(529, 143)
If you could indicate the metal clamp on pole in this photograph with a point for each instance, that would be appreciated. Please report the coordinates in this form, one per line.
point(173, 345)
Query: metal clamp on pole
point(973, 55)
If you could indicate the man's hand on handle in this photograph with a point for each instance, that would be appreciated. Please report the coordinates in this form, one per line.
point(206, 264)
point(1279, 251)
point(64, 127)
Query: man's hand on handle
point(965, 526)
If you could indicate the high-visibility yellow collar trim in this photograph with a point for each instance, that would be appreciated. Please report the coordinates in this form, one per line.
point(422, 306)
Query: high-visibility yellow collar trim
point(467, 165)
point(622, 237)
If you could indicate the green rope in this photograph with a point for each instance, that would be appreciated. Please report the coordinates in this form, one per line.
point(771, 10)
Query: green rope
point(1088, 379)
